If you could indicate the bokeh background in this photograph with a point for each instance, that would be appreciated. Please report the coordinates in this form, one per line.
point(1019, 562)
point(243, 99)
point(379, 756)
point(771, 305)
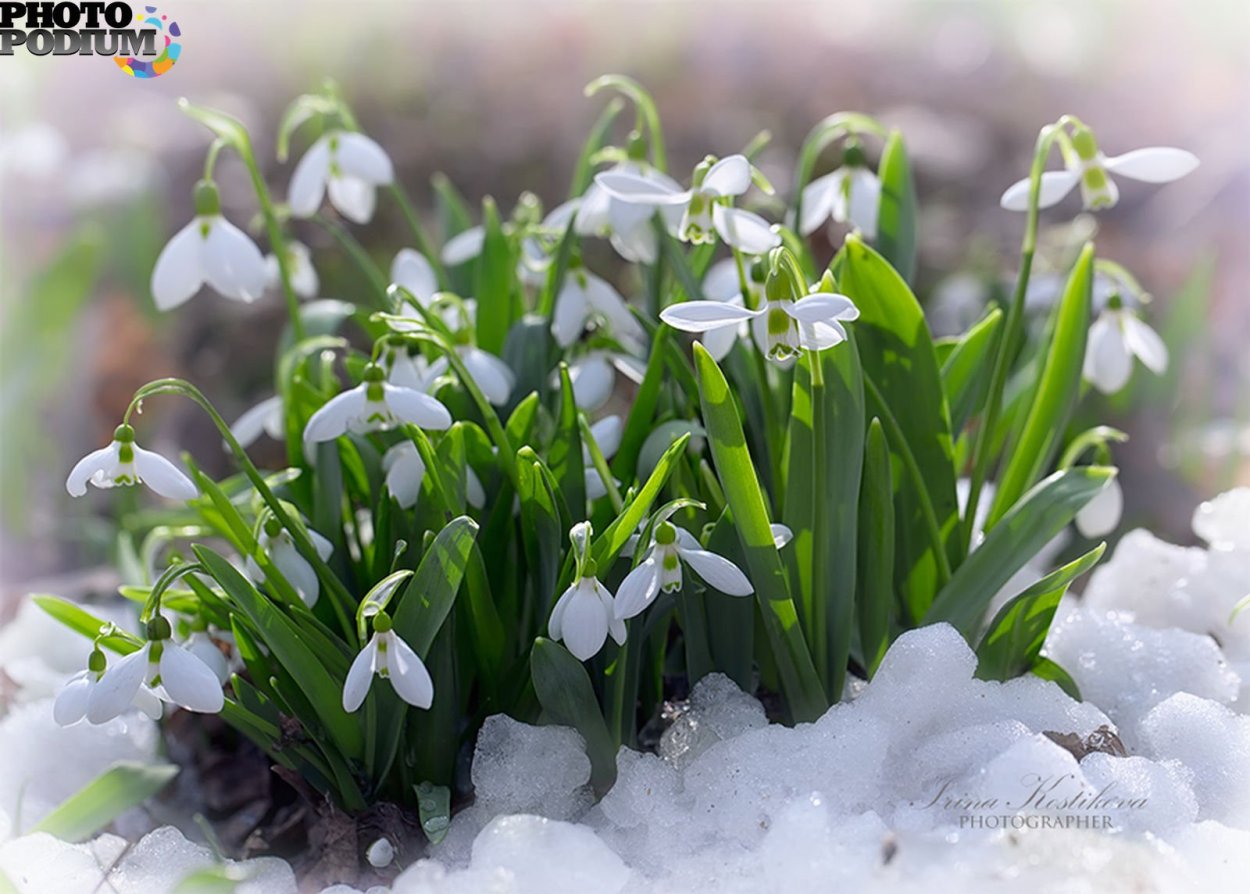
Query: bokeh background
point(96, 171)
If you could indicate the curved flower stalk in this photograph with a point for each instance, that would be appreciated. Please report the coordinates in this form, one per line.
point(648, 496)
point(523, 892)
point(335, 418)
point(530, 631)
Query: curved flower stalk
point(304, 279)
point(850, 194)
point(375, 405)
point(276, 542)
point(661, 570)
point(405, 471)
point(349, 167)
point(706, 211)
point(162, 670)
point(209, 250)
point(585, 613)
point(1086, 165)
point(782, 327)
point(386, 655)
point(123, 462)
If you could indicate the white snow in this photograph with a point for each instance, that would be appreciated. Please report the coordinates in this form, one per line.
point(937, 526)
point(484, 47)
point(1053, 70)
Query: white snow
point(926, 780)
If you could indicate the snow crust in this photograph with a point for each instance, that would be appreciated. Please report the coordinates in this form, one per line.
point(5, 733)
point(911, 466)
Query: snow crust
point(926, 780)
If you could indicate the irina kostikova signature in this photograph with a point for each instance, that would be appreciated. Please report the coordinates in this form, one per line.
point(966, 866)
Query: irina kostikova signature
point(1054, 792)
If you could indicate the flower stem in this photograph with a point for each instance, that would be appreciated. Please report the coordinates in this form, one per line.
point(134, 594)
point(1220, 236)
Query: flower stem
point(352, 246)
point(1007, 343)
point(341, 599)
point(819, 631)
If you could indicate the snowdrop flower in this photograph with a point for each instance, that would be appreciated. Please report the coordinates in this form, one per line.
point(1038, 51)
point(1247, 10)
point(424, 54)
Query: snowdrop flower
point(375, 405)
point(1101, 515)
point(584, 296)
point(347, 165)
point(661, 570)
point(263, 419)
point(593, 376)
point(627, 225)
point(1088, 166)
point(781, 327)
point(849, 195)
point(304, 279)
point(1115, 338)
point(210, 250)
point(389, 657)
point(494, 377)
point(71, 702)
point(705, 206)
point(464, 246)
point(585, 614)
point(161, 668)
point(124, 462)
point(405, 470)
point(276, 542)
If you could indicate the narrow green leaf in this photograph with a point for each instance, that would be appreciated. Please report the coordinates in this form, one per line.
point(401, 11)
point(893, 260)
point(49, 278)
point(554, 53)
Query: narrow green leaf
point(527, 351)
point(736, 473)
point(564, 691)
point(874, 577)
point(608, 545)
point(82, 621)
point(495, 283)
point(896, 217)
point(1026, 528)
point(565, 456)
point(431, 592)
point(1013, 641)
point(1049, 670)
point(123, 785)
point(1054, 398)
point(966, 369)
point(289, 645)
point(638, 423)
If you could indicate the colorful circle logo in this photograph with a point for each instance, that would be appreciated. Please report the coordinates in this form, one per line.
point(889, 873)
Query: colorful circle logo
point(139, 68)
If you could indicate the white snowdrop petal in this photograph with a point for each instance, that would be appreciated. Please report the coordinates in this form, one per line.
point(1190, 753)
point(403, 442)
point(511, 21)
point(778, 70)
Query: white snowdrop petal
point(593, 382)
point(822, 335)
point(331, 420)
point(94, 463)
point(414, 272)
point(464, 246)
point(162, 476)
point(353, 198)
point(416, 407)
point(149, 703)
point(585, 623)
point(781, 535)
point(721, 283)
point(609, 303)
point(202, 647)
point(359, 676)
point(114, 691)
point(638, 589)
point(259, 420)
point(1145, 344)
point(700, 316)
point(408, 673)
point(1101, 515)
point(474, 493)
point(322, 545)
point(295, 568)
point(818, 198)
point(404, 471)
point(1108, 363)
point(731, 176)
point(821, 307)
point(717, 571)
point(1055, 185)
point(607, 433)
point(865, 202)
point(555, 625)
point(71, 702)
point(492, 375)
point(633, 189)
point(179, 270)
point(233, 265)
point(1155, 164)
point(569, 316)
point(304, 279)
point(363, 159)
point(189, 682)
point(720, 341)
point(308, 182)
point(745, 230)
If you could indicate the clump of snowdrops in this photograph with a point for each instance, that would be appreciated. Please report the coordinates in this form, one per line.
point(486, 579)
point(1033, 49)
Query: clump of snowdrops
point(460, 529)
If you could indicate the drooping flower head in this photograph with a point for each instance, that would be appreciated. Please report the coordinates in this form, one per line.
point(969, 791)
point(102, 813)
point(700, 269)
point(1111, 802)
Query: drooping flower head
point(123, 462)
point(386, 655)
point(585, 613)
point(347, 165)
point(375, 405)
point(209, 250)
point(851, 194)
point(277, 544)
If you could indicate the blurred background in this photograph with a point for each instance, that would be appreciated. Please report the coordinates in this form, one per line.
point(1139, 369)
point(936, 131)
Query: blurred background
point(96, 171)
